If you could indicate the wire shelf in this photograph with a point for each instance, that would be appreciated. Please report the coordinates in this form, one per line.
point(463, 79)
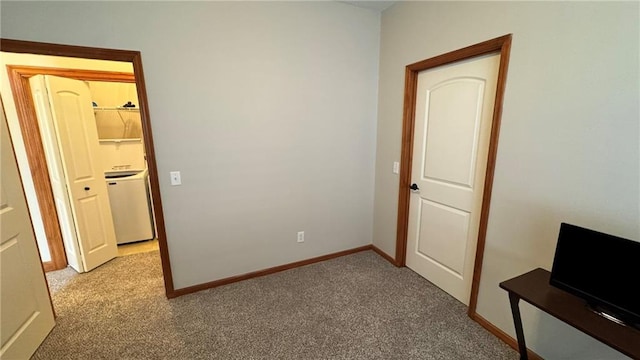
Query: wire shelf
point(118, 123)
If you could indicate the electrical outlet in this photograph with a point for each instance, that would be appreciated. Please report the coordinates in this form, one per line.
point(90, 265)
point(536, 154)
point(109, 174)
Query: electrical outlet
point(175, 178)
point(300, 236)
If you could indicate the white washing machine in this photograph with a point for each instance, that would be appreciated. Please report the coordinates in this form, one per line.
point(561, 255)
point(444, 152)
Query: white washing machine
point(130, 205)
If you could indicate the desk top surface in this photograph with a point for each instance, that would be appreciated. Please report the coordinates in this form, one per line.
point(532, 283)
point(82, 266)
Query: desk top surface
point(534, 288)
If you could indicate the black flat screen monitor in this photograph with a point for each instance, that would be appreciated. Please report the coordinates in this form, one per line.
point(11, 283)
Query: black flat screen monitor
point(602, 269)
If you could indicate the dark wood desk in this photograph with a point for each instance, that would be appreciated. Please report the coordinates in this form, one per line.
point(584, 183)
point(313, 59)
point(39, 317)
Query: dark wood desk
point(533, 287)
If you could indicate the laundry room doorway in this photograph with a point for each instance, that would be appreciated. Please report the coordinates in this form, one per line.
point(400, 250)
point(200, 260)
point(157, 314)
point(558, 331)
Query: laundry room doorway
point(136, 177)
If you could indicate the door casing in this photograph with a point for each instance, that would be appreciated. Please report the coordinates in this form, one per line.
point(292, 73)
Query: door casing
point(19, 78)
point(500, 45)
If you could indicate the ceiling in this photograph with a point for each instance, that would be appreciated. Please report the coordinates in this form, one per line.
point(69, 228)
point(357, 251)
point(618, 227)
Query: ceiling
point(371, 4)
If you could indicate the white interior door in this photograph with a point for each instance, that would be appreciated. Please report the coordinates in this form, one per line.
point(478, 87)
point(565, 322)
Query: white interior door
point(454, 111)
point(26, 311)
point(77, 136)
point(56, 172)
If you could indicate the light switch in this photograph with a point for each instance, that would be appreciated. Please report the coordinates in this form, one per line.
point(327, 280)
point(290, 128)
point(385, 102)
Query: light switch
point(175, 178)
point(396, 167)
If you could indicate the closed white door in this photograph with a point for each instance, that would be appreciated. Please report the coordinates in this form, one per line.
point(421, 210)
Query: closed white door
point(56, 172)
point(454, 111)
point(77, 136)
point(26, 313)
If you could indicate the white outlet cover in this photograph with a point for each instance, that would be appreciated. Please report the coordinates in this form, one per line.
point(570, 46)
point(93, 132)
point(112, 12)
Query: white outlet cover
point(175, 178)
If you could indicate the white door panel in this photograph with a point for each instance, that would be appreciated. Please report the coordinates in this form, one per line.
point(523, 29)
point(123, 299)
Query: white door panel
point(92, 225)
point(439, 221)
point(446, 160)
point(75, 127)
point(72, 126)
point(26, 312)
point(56, 173)
point(454, 110)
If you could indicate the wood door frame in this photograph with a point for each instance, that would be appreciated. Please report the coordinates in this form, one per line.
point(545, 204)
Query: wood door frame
point(19, 79)
point(501, 45)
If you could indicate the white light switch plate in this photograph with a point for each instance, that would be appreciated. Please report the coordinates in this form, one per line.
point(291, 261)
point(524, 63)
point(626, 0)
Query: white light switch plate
point(175, 178)
point(396, 167)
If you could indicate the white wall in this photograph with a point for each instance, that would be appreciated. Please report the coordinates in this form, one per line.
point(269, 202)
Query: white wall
point(267, 108)
point(14, 125)
point(569, 143)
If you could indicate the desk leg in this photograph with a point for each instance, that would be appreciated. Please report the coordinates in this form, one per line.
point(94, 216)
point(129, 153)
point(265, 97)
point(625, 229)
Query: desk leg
point(517, 321)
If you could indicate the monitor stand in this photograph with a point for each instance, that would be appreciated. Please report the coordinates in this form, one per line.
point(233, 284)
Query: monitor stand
point(605, 313)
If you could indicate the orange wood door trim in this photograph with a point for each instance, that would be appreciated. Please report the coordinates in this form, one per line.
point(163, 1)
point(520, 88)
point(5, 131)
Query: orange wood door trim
point(19, 79)
point(500, 45)
point(38, 166)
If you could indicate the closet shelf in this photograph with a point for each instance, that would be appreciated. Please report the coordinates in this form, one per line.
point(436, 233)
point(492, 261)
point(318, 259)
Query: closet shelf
point(116, 108)
point(120, 140)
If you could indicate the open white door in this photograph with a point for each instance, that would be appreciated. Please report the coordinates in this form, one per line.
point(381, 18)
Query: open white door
point(454, 110)
point(56, 172)
point(75, 127)
point(26, 311)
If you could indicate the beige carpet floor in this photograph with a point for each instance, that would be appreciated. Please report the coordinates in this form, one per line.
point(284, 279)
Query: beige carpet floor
point(354, 307)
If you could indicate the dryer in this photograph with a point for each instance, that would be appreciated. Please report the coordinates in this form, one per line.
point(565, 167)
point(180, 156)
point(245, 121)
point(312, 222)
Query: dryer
point(130, 205)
